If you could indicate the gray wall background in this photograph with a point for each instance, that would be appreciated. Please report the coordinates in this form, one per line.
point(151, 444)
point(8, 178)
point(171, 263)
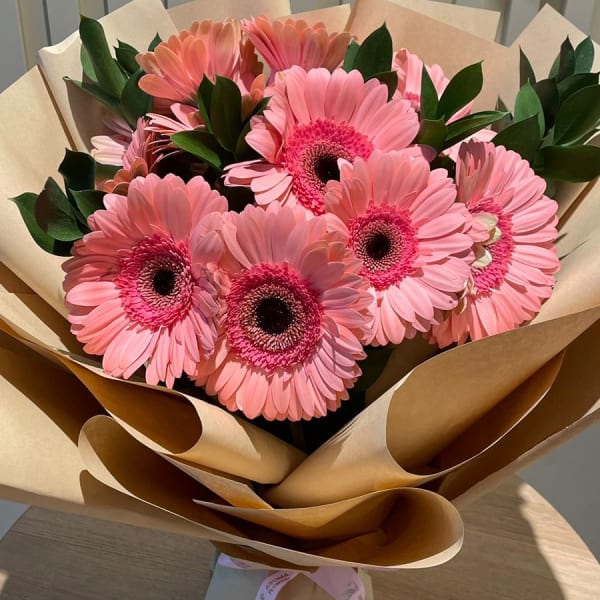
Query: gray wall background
point(569, 477)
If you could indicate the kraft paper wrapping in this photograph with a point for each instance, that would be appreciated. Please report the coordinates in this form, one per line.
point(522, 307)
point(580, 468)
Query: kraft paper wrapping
point(477, 21)
point(75, 439)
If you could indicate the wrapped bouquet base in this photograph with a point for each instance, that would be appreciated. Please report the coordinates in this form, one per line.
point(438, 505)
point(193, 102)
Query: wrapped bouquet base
point(241, 579)
point(384, 491)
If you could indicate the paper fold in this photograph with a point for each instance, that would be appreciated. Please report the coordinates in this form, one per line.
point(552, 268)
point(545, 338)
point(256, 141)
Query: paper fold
point(79, 440)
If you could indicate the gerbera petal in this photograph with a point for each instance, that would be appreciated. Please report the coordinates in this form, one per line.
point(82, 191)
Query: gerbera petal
point(508, 288)
point(148, 303)
point(277, 310)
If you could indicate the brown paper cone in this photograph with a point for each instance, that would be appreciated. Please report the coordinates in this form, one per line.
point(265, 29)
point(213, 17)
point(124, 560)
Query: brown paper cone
point(465, 418)
point(433, 405)
point(476, 21)
point(117, 460)
point(169, 422)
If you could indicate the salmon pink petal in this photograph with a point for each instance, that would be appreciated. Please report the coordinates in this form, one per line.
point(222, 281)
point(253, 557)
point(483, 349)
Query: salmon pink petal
point(505, 196)
point(144, 300)
point(386, 231)
point(315, 119)
point(287, 284)
point(176, 67)
point(294, 42)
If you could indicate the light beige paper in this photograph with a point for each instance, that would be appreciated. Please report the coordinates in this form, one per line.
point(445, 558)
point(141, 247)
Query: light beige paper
point(236, 491)
point(32, 144)
point(572, 404)
point(169, 422)
point(476, 21)
point(347, 518)
point(416, 419)
point(432, 535)
point(185, 14)
point(188, 428)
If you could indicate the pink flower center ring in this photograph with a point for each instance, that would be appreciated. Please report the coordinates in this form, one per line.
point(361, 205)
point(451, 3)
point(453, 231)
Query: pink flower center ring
point(311, 157)
point(273, 317)
point(384, 240)
point(156, 282)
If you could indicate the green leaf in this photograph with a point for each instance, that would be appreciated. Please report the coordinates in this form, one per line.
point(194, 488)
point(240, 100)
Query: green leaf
point(463, 88)
point(575, 82)
point(126, 54)
point(86, 65)
point(78, 170)
point(432, 133)
point(375, 54)
point(575, 163)
point(94, 90)
point(110, 77)
point(88, 201)
point(429, 96)
point(155, 42)
point(577, 115)
point(584, 56)
point(566, 63)
point(350, 56)
point(201, 144)
point(55, 215)
point(135, 102)
point(525, 69)
point(26, 205)
point(522, 137)
point(550, 188)
point(260, 107)
point(528, 104)
point(204, 97)
point(463, 128)
point(106, 171)
point(242, 150)
point(547, 92)
point(554, 68)
point(389, 78)
point(226, 112)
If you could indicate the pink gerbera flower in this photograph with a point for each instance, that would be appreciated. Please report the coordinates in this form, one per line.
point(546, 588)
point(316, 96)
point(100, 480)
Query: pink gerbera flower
point(138, 287)
point(313, 119)
point(176, 67)
point(152, 151)
point(515, 257)
point(295, 310)
point(409, 68)
point(402, 222)
point(284, 44)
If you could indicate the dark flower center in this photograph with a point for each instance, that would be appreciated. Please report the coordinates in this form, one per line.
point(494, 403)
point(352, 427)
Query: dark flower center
point(163, 282)
point(273, 315)
point(326, 168)
point(378, 245)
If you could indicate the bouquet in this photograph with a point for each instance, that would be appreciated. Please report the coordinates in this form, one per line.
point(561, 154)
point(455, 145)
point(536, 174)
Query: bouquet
point(319, 290)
